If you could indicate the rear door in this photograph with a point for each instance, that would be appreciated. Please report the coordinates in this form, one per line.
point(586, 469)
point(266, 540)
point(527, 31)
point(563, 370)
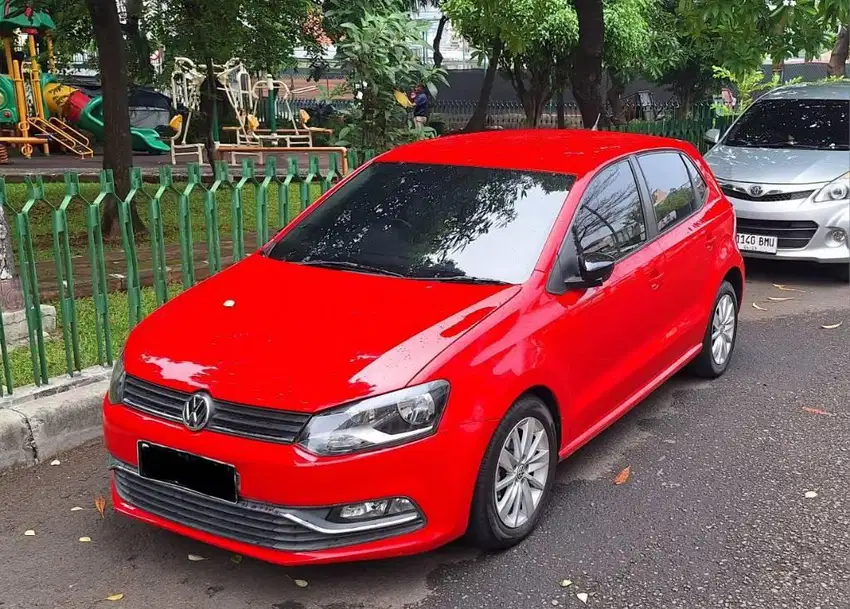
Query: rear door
point(608, 334)
point(677, 195)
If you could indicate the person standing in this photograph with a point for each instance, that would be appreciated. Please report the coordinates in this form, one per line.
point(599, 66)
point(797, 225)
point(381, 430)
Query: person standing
point(420, 106)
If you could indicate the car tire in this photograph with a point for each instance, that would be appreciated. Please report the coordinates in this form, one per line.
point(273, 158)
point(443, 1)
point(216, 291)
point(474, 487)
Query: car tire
point(714, 358)
point(489, 529)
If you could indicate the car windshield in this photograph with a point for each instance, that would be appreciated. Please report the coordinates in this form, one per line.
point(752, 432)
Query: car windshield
point(813, 124)
point(442, 222)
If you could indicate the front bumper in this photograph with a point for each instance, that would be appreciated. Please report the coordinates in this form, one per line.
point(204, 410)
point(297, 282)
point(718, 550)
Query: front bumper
point(285, 493)
point(804, 228)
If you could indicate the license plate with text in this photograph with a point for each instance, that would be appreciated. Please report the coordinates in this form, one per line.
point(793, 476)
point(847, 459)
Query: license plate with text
point(765, 244)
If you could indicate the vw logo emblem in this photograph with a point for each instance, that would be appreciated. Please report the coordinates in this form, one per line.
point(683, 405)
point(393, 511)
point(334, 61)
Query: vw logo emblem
point(756, 190)
point(196, 411)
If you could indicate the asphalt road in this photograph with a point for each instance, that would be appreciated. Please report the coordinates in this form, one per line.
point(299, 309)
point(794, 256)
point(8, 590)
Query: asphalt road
point(715, 513)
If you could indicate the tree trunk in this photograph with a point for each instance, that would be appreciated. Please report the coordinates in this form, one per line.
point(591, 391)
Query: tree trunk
point(838, 59)
point(586, 73)
point(615, 99)
point(479, 118)
point(559, 104)
point(11, 297)
point(117, 145)
point(438, 37)
point(139, 42)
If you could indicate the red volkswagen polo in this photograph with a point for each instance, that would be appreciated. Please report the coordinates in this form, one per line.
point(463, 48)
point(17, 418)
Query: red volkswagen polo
point(409, 359)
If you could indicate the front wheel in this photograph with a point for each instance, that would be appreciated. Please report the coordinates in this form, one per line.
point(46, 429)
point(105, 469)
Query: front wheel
point(720, 336)
point(516, 476)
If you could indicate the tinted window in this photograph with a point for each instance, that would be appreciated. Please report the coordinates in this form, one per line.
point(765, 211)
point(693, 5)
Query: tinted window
point(610, 220)
point(433, 221)
point(697, 181)
point(670, 190)
point(793, 123)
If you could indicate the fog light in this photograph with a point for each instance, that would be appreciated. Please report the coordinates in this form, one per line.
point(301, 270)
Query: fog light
point(370, 510)
point(838, 236)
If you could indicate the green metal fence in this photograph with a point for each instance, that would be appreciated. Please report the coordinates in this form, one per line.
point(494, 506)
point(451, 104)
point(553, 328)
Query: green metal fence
point(196, 225)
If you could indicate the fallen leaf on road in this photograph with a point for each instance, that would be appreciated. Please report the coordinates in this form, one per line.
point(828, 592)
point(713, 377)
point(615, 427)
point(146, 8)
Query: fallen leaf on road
point(582, 596)
point(554, 602)
point(29, 533)
point(76, 508)
point(301, 583)
point(196, 558)
point(777, 299)
point(85, 539)
point(623, 476)
point(55, 462)
point(811, 495)
point(816, 411)
point(756, 306)
point(100, 504)
point(832, 326)
point(566, 583)
point(115, 597)
point(785, 288)
point(236, 558)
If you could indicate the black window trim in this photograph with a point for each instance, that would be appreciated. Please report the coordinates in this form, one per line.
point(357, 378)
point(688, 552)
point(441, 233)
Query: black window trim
point(645, 183)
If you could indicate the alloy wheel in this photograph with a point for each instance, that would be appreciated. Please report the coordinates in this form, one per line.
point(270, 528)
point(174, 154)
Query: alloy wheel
point(522, 472)
point(723, 330)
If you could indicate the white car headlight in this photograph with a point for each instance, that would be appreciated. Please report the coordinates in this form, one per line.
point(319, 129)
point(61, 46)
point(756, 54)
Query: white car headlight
point(385, 420)
point(837, 190)
point(116, 382)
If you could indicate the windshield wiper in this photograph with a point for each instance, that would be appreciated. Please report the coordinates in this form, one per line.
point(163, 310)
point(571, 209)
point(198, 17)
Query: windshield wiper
point(466, 279)
point(353, 266)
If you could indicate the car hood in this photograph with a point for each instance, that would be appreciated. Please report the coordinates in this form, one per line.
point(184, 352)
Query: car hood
point(303, 338)
point(776, 165)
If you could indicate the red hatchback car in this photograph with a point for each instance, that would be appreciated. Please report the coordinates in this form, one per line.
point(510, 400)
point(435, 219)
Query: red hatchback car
point(408, 360)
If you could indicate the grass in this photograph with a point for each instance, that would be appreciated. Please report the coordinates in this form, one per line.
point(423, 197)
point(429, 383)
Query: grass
point(41, 220)
point(19, 357)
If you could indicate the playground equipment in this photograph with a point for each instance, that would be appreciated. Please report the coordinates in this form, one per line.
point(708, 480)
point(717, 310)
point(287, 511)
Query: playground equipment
point(35, 109)
point(186, 81)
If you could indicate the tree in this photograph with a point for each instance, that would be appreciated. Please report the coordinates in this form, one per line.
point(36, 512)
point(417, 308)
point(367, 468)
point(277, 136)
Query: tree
point(117, 145)
point(586, 71)
point(838, 58)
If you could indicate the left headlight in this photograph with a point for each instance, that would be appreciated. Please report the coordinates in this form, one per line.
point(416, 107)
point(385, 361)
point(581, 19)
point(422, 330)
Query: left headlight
point(385, 420)
point(116, 382)
point(837, 190)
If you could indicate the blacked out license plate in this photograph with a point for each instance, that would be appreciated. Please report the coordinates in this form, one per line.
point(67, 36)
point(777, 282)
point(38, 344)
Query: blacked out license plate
point(188, 471)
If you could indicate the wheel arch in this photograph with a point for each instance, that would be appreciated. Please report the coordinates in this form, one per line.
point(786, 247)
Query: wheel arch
point(547, 396)
point(736, 278)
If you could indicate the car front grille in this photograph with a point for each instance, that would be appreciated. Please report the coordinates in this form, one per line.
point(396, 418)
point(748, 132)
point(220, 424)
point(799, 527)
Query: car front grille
point(778, 196)
point(790, 234)
point(235, 419)
point(249, 522)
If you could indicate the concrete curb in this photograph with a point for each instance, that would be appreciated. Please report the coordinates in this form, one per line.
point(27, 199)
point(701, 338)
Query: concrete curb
point(38, 423)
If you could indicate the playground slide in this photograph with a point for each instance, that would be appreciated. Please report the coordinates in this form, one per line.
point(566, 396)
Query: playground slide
point(85, 113)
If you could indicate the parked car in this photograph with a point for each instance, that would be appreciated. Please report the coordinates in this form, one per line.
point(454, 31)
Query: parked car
point(409, 359)
point(785, 166)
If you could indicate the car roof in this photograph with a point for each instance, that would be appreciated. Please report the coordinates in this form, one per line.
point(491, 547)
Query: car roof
point(839, 90)
point(571, 151)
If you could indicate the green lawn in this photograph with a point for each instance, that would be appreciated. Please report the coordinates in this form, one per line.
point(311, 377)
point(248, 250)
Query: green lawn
point(20, 359)
point(41, 220)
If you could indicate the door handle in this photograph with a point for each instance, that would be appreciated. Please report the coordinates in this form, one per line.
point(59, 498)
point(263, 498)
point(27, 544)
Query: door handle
point(655, 276)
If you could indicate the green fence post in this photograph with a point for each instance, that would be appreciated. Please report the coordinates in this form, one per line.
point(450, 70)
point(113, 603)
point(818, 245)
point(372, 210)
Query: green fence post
point(237, 215)
point(128, 240)
point(99, 284)
point(292, 175)
point(270, 175)
point(184, 224)
point(6, 386)
point(29, 281)
point(157, 234)
point(307, 185)
point(353, 159)
point(65, 274)
point(222, 178)
point(333, 173)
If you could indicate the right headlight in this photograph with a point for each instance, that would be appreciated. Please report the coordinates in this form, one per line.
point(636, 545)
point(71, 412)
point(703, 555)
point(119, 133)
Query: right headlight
point(385, 420)
point(116, 382)
point(837, 190)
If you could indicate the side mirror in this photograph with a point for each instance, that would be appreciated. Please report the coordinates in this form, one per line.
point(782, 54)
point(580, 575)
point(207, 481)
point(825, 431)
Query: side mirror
point(712, 136)
point(593, 272)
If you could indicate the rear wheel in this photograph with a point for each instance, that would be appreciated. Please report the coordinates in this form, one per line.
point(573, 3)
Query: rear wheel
point(516, 476)
point(720, 336)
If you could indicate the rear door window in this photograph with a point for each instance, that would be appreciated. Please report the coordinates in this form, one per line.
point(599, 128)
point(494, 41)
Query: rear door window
point(670, 190)
point(696, 179)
